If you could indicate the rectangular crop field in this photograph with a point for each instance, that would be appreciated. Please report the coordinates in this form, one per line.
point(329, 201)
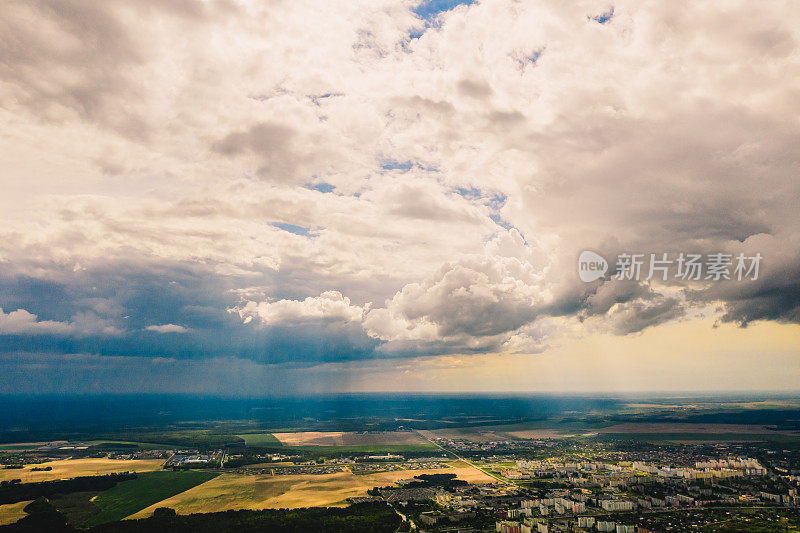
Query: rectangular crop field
point(263, 440)
point(128, 497)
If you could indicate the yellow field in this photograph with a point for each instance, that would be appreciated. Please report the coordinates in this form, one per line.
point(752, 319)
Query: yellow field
point(467, 473)
point(233, 491)
point(339, 438)
point(11, 512)
point(478, 434)
point(305, 438)
point(540, 434)
point(68, 468)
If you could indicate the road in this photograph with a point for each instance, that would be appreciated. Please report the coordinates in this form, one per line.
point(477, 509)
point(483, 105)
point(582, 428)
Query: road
point(470, 463)
point(401, 515)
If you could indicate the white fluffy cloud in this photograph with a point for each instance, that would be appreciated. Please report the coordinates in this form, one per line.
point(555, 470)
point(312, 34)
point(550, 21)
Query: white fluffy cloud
point(473, 304)
point(328, 307)
point(167, 328)
point(21, 322)
point(338, 154)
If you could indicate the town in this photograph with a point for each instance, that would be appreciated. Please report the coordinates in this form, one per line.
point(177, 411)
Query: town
point(509, 486)
point(591, 488)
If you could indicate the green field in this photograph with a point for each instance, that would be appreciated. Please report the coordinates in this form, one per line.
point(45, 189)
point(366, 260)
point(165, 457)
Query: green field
point(364, 448)
point(268, 440)
point(148, 488)
point(106, 443)
point(142, 445)
point(264, 440)
point(188, 438)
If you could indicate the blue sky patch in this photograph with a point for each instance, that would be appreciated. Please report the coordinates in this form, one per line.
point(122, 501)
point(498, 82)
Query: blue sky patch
point(492, 201)
point(470, 193)
point(535, 55)
point(430, 10)
point(291, 228)
point(391, 164)
point(602, 18)
point(321, 187)
point(497, 219)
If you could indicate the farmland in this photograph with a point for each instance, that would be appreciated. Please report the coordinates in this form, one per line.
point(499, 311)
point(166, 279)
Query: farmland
point(232, 491)
point(68, 468)
point(12, 512)
point(130, 496)
point(224, 465)
point(265, 440)
point(353, 442)
point(340, 438)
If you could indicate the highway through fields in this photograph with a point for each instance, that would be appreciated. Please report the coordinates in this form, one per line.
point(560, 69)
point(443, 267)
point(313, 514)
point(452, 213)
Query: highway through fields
point(470, 463)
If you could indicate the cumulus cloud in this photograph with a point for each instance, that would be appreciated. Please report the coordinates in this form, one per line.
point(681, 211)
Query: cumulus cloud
point(774, 295)
point(21, 322)
point(330, 306)
point(167, 328)
point(304, 182)
point(470, 305)
point(635, 316)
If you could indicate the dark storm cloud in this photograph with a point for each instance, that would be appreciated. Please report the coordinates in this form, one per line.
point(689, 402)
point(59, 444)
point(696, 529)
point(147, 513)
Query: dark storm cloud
point(708, 175)
point(113, 311)
point(774, 296)
point(627, 306)
point(638, 315)
point(613, 292)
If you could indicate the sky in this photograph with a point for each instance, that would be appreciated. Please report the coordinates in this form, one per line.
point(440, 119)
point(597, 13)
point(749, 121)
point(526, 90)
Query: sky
point(289, 197)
